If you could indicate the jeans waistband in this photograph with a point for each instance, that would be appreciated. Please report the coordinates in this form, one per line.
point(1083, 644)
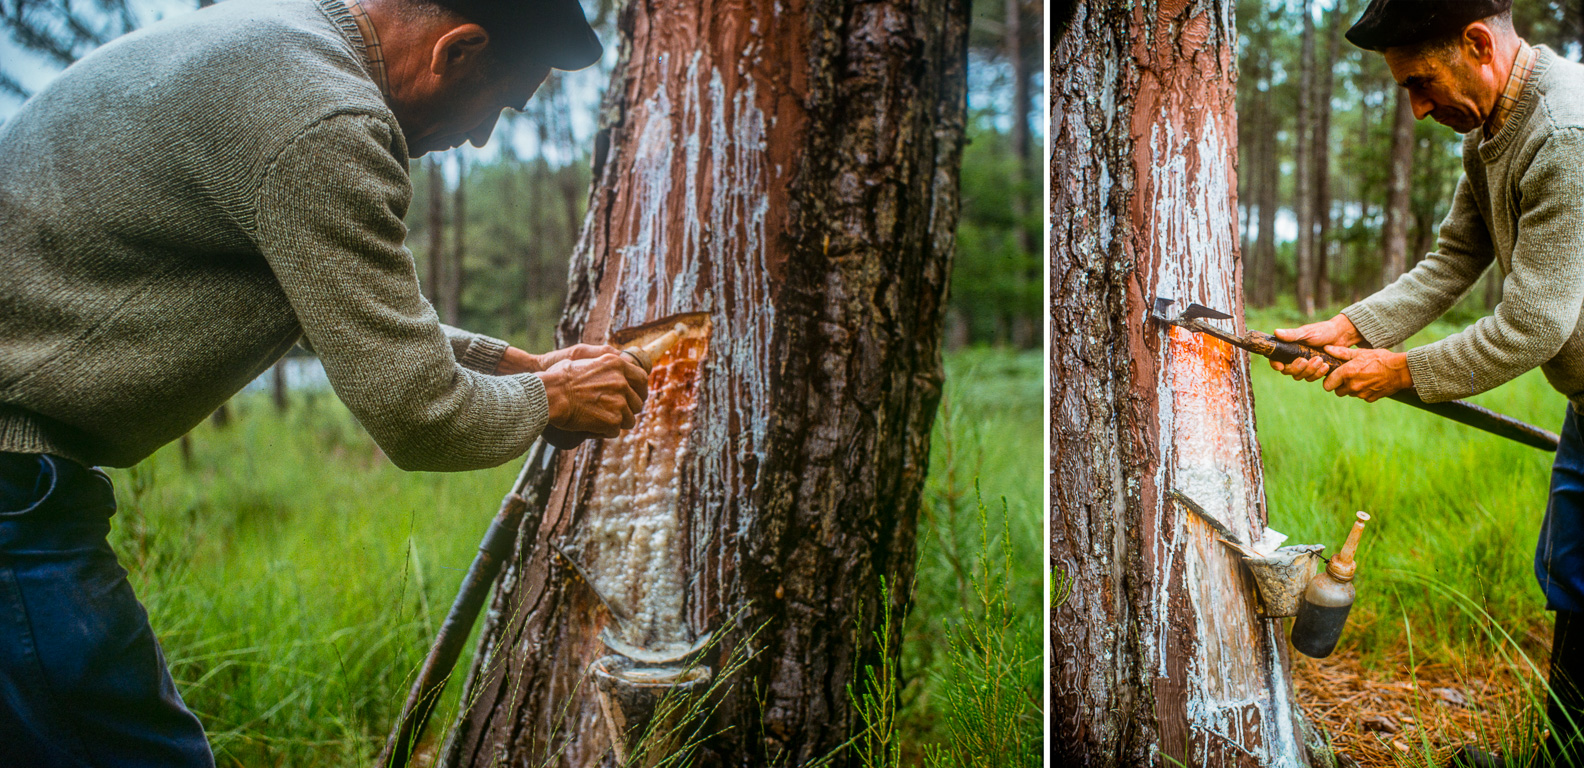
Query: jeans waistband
point(51, 503)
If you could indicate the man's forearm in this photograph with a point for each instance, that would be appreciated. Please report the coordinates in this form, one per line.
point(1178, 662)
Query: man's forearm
point(514, 361)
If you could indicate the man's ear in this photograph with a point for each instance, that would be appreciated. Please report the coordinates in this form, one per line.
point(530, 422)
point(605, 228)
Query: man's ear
point(459, 52)
point(1479, 42)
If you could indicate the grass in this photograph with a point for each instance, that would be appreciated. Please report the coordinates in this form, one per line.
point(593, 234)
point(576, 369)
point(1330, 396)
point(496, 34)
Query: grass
point(1445, 569)
point(1449, 503)
point(296, 578)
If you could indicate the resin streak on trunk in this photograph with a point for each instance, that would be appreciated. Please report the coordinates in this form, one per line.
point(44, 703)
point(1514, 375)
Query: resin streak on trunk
point(1159, 656)
point(791, 170)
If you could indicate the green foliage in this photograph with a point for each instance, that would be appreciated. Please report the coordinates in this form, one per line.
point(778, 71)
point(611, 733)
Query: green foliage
point(992, 682)
point(295, 577)
point(997, 285)
point(971, 661)
point(879, 745)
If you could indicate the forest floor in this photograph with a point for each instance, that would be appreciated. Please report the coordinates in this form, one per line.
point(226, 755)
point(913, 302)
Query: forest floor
point(1449, 627)
point(1401, 714)
point(295, 577)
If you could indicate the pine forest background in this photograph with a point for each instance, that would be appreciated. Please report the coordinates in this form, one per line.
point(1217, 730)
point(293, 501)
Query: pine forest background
point(1327, 145)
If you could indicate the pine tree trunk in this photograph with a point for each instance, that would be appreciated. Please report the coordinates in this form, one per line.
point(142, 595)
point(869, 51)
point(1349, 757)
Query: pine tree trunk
point(1158, 657)
point(1025, 327)
point(1270, 200)
point(1303, 179)
point(1397, 213)
point(1322, 156)
point(792, 171)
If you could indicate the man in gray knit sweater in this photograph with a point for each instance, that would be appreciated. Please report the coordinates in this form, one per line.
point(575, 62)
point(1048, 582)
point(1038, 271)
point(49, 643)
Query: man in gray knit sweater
point(176, 211)
point(1519, 206)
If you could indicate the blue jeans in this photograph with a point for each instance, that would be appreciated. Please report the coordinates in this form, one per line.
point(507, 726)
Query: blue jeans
point(1559, 558)
point(82, 679)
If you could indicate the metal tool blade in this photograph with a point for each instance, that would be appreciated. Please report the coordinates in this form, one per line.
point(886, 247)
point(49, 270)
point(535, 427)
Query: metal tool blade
point(1196, 311)
point(1162, 305)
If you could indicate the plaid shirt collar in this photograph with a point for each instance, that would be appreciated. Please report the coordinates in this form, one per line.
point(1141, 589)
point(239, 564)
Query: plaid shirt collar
point(1523, 66)
point(373, 55)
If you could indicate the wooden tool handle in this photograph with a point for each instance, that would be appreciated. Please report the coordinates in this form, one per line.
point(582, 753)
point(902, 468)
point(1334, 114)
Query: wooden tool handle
point(646, 354)
point(1288, 351)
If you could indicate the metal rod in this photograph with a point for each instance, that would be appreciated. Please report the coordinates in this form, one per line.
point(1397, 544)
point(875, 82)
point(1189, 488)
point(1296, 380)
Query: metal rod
point(496, 548)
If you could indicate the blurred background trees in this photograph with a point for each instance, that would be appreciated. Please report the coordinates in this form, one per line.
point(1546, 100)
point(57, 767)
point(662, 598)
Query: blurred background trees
point(1329, 149)
point(492, 229)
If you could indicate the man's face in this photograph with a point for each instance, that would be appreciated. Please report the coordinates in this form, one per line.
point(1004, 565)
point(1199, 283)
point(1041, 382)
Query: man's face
point(1444, 86)
point(466, 103)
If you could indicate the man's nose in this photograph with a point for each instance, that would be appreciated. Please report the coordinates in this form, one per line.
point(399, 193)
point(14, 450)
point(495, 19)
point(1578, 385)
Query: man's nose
point(479, 136)
point(1421, 106)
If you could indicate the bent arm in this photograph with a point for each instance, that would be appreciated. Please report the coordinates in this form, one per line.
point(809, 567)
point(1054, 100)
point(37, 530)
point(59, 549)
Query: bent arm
point(1542, 295)
point(329, 221)
point(1424, 293)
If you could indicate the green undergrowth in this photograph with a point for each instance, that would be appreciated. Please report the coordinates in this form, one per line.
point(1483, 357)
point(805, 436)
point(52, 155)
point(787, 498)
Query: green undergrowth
point(296, 578)
point(1446, 566)
point(1452, 506)
point(971, 672)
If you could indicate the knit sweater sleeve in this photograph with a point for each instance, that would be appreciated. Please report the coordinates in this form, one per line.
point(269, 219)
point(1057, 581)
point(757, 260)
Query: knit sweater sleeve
point(475, 351)
point(1424, 293)
point(1541, 295)
point(328, 218)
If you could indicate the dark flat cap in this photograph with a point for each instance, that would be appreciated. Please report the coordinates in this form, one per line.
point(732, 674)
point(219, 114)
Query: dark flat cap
point(550, 32)
point(1390, 23)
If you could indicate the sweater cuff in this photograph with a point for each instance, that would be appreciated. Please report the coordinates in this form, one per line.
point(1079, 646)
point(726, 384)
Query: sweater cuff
point(1431, 386)
point(484, 354)
point(538, 403)
point(1376, 332)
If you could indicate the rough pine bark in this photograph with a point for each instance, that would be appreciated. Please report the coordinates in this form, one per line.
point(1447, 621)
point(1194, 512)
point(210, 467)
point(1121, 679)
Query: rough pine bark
point(1397, 195)
point(1158, 657)
point(790, 169)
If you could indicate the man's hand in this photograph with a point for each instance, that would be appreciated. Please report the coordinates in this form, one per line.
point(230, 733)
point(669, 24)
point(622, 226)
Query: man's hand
point(1370, 374)
point(598, 395)
point(518, 361)
point(1338, 331)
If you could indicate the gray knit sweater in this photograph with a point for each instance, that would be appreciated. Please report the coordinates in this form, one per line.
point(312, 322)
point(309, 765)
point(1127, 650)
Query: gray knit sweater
point(1520, 203)
point(181, 206)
